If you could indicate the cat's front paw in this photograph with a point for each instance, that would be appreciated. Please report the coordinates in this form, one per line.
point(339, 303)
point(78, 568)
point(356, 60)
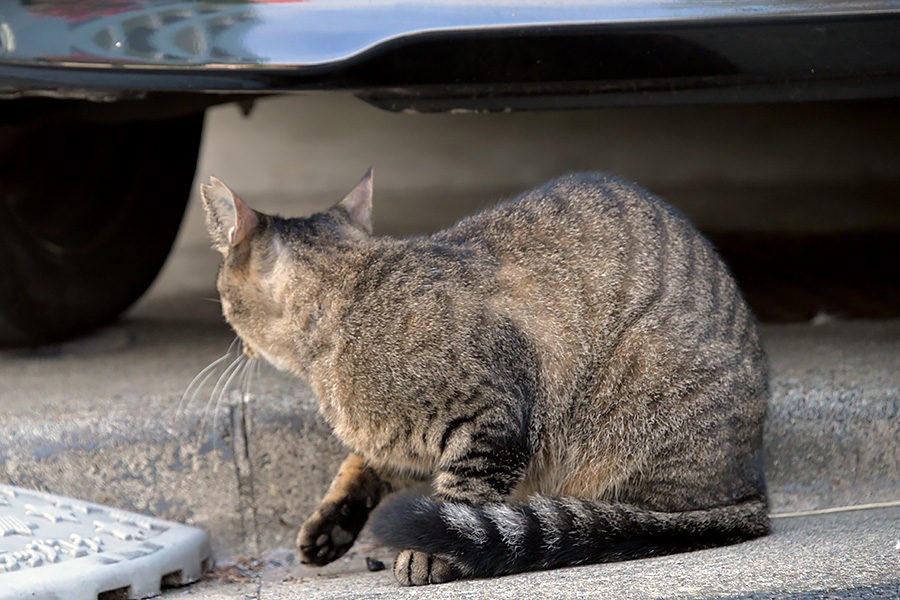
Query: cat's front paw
point(420, 568)
point(323, 539)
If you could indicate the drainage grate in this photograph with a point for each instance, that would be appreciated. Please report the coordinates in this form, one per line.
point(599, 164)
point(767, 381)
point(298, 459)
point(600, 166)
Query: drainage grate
point(58, 548)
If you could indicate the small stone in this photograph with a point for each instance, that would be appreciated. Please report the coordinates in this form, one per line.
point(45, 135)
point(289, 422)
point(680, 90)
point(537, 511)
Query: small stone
point(373, 564)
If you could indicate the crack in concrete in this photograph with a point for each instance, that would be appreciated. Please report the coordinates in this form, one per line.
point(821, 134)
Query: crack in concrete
point(240, 417)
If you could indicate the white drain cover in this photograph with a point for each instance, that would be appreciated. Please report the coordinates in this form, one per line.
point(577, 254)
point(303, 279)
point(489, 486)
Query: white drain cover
point(57, 548)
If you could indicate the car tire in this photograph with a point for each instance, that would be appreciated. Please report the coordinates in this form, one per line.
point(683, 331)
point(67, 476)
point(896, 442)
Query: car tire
point(88, 214)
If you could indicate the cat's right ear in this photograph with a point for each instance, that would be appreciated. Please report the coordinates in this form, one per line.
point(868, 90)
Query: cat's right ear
point(358, 204)
point(230, 222)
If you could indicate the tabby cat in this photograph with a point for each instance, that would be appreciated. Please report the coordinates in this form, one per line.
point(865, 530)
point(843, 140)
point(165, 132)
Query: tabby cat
point(574, 372)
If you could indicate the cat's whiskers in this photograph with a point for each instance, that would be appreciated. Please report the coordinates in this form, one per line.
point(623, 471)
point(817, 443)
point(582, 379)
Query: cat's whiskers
point(239, 373)
point(215, 397)
point(209, 372)
point(200, 380)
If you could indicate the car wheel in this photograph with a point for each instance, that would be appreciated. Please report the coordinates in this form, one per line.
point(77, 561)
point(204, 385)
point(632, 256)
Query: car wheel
point(88, 214)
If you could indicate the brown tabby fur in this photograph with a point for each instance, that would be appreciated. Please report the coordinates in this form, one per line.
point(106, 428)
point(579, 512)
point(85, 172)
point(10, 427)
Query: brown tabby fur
point(574, 372)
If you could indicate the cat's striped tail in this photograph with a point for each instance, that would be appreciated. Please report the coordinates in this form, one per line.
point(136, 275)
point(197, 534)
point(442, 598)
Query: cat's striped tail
point(543, 533)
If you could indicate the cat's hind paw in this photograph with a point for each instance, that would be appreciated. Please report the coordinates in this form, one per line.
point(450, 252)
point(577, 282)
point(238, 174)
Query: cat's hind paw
point(420, 568)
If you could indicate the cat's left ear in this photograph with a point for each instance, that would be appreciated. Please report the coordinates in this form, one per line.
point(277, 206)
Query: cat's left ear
point(229, 220)
point(358, 203)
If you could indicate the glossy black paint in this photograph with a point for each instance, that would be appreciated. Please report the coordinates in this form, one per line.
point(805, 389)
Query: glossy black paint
point(489, 56)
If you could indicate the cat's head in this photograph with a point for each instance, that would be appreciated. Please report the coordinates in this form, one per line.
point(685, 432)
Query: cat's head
point(273, 268)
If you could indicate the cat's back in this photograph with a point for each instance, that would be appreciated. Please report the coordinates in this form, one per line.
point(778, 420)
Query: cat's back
point(590, 206)
point(605, 248)
point(587, 261)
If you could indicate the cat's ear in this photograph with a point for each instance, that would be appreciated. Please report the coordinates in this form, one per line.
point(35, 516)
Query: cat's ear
point(358, 203)
point(229, 220)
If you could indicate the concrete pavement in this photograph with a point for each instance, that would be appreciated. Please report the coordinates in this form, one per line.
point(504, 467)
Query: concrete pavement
point(827, 556)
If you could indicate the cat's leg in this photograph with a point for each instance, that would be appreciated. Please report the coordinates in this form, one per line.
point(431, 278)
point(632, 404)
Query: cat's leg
point(332, 529)
point(483, 461)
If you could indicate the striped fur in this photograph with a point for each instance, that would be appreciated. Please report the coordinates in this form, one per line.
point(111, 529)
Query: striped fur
point(573, 372)
point(543, 533)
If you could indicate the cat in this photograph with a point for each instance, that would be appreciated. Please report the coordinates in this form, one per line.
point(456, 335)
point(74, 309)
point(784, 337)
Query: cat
point(573, 372)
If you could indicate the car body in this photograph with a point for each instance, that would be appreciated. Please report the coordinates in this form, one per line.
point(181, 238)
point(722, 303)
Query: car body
point(452, 55)
point(133, 77)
